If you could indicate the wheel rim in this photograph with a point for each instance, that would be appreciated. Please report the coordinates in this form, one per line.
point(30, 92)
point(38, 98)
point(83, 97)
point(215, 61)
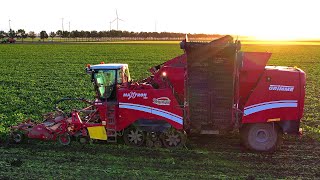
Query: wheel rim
point(173, 139)
point(134, 137)
point(64, 139)
point(262, 136)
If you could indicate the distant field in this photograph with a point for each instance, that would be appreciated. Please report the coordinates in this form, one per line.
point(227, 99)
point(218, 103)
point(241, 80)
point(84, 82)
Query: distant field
point(148, 41)
point(32, 76)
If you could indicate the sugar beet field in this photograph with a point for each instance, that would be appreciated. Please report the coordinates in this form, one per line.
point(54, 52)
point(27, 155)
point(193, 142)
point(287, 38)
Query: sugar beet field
point(33, 76)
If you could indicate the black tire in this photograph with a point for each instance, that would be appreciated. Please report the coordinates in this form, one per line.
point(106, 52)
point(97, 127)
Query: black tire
point(64, 139)
point(134, 137)
point(262, 137)
point(17, 138)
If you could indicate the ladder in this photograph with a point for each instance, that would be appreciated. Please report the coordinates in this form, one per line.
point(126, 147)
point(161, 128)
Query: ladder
point(111, 122)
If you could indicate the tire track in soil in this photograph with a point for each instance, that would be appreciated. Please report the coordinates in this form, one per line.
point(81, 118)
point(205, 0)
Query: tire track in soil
point(296, 158)
point(203, 155)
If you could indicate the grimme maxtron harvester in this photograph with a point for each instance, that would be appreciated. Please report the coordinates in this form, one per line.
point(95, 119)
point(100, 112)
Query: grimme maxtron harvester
point(212, 88)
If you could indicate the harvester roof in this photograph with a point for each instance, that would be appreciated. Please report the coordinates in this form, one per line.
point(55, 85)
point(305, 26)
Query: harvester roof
point(108, 66)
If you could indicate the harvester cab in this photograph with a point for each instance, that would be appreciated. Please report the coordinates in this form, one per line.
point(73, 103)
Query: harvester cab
point(107, 77)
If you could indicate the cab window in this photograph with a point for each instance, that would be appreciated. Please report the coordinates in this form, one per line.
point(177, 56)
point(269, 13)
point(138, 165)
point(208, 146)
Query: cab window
point(127, 74)
point(104, 81)
point(123, 75)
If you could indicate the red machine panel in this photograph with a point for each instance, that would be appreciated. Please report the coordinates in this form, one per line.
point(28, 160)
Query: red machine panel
point(276, 97)
point(252, 68)
point(174, 70)
point(152, 104)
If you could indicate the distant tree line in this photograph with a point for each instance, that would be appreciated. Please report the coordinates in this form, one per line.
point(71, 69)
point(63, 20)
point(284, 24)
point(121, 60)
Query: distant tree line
point(86, 35)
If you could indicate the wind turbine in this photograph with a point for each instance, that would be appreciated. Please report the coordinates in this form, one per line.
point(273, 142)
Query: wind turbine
point(62, 24)
point(117, 20)
point(111, 23)
point(10, 24)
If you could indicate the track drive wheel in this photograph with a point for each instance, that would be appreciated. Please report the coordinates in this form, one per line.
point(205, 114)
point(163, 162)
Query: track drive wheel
point(133, 136)
point(157, 144)
point(263, 137)
point(173, 138)
point(64, 139)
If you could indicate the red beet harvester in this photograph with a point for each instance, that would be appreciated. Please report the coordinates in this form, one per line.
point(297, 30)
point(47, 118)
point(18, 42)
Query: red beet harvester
point(213, 88)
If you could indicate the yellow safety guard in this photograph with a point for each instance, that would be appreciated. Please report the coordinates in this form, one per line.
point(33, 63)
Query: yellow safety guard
point(98, 132)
